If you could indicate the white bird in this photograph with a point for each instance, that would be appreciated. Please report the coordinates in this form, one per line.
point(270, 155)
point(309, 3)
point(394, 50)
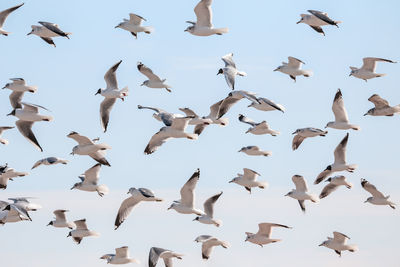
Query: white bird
point(47, 31)
point(334, 183)
point(50, 161)
point(293, 68)
point(153, 80)
point(208, 243)
point(301, 192)
point(232, 98)
point(186, 204)
point(13, 213)
point(249, 179)
point(134, 25)
point(19, 87)
point(81, 231)
point(24, 203)
point(367, 70)
point(61, 220)
point(338, 243)
point(203, 26)
point(3, 16)
point(89, 181)
point(111, 94)
point(165, 254)
point(208, 217)
point(317, 19)
point(2, 129)
point(137, 196)
point(88, 147)
point(377, 197)
point(382, 107)
point(265, 104)
point(341, 119)
point(9, 174)
point(121, 256)
point(263, 236)
point(258, 128)
point(255, 151)
point(230, 70)
point(303, 133)
point(340, 162)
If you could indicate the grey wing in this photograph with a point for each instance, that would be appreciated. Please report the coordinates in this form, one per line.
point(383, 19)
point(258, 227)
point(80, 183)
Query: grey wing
point(4, 14)
point(60, 214)
point(322, 16)
point(146, 192)
point(378, 101)
point(271, 103)
point(48, 40)
point(204, 13)
point(295, 62)
point(209, 204)
point(181, 123)
point(25, 128)
point(369, 63)
point(302, 205)
point(300, 183)
point(167, 118)
point(214, 109)
point(340, 151)
point(15, 99)
point(371, 189)
point(318, 29)
point(124, 210)
point(92, 174)
point(187, 191)
point(54, 28)
point(154, 255)
point(136, 19)
point(105, 109)
point(155, 142)
point(168, 262)
point(99, 156)
point(110, 77)
point(338, 108)
point(244, 119)
point(228, 60)
point(2, 129)
point(81, 224)
point(329, 188)
point(322, 176)
point(188, 112)
point(226, 104)
point(229, 74)
point(199, 128)
point(80, 139)
point(297, 140)
point(146, 71)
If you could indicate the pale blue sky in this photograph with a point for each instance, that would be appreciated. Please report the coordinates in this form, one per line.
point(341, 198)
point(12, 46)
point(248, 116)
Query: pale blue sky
point(262, 35)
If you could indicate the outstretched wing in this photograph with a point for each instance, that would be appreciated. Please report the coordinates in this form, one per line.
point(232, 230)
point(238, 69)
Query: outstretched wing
point(378, 101)
point(4, 14)
point(338, 108)
point(371, 189)
point(204, 13)
point(111, 78)
point(146, 71)
point(369, 63)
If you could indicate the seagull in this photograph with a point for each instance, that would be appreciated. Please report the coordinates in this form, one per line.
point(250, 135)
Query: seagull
point(89, 181)
point(2, 129)
point(317, 19)
point(382, 107)
point(334, 183)
point(186, 204)
point(203, 26)
point(81, 231)
point(338, 243)
point(137, 195)
point(47, 31)
point(208, 217)
point(230, 70)
point(19, 87)
point(341, 119)
point(162, 115)
point(303, 133)
point(377, 197)
point(50, 161)
point(213, 116)
point(153, 80)
point(165, 254)
point(9, 174)
point(254, 151)
point(232, 98)
point(301, 192)
point(27, 116)
point(340, 162)
point(88, 147)
point(248, 180)
point(134, 25)
point(258, 128)
point(196, 119)
point(265, 104)
point(208, 243)
point(121, 256)
point(293, 68)
point(13, 213)
point(111, 94)
point(367, 70)
point(24, 203)
point(61, 221)
point(262, 237)
point(3, 16)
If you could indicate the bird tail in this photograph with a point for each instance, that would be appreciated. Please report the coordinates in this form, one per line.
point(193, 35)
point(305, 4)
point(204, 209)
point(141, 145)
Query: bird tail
point(314, 198)
point(352, 248)
point(263, 185)
point(225, 245)
point(103, 189)
point(148, 29)
point(221, 30)
point(63, 161)
point(308, 73)
point(47, 118)
point(103, 146)
point(397, 109)
point(380, 74)
point(241, 73)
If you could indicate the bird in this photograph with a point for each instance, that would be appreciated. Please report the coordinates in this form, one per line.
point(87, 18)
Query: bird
point(367, 70)
point(134, 25)
point(213, 116)
point(186, 204)
point(24, 203)
point(263, 236)
point(137, 196)
point(317, 19)
point(2, 129)
point(153, 80)
point(81, 231)
point(303, 133)
point(258, 128)
point(293, 68)
point(341, 118)
point(208, 217)
point(27, 116)
point(334, 183)
point(3, 16)
point(47, 31)
point(340, 161)
point(230, 70)
point(165, 254)
point(121, 256)
point(162, 115)
point(13, 213)
point(208, 243)
point(377, 197)
point(249, 179)
point(301, 192)
point(203, 26)
point(18, 87)
point(265, 104)
point(338, 243)
point(88, 147)
point(232, 98)
point(89, 181)
point(382, 107)
point(50, 161)
point(111, 94)
point(9, 174)
point(61, 220)
point(254, 151)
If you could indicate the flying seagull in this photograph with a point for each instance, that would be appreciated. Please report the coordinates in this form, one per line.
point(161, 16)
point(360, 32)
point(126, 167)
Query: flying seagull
point(2, 129)
point(265, 104)
point(165, 254)
point(3, 16)
point(134, 25)
point(377, 197)
point(89, 181)
point(18, 87)
point(254, 151)
point(249, 179)
point(341, 119)
point(153, 80)
point(208, 217)
point(213, 116)
point(9, 174)
point(334, 183)
point(61, 220)
point(317, 19)
point(258, 128)
point(47, 31)
point(12, 213)
point(121, 256)
point(293, 68)
point(25, 203)
point(263, 236)
point(301, 192)
point(81, 231)
point(338, 243)
point(367, 70)
point(230, 70)
point(232, 98)
point(208, 243)
point(50, 161)
point(382, 107)
point(303, 133)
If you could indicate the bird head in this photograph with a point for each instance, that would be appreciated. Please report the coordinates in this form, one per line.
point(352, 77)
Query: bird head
point(300, 21)
point(328, 168)
point(50, 223)
point(278, 68)
point(98, 92)
point(189, 29)
point(295, 132)
point(323, 244)
point(196, 219)
point(289, 193)
point(12, 113)
point(329, 124)
point(368, 200)
point(119, 25)
point(220, 71)
point(69, 234)
point(75, 186)
point(6, 86)
point(370, 112)
point(172, 206)
point(145, 83)
point(234, 180)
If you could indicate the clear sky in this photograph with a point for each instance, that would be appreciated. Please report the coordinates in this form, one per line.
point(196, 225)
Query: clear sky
point(262, 35)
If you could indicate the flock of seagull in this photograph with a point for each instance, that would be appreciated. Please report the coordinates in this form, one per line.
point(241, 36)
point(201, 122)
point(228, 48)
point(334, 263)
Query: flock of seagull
point(174, 126)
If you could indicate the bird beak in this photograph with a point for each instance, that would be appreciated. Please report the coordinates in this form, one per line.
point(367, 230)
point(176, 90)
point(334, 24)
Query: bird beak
point(231, 181)
point(4, 87)
point(185, 30)
point(69, 234)
point(298, 22)
point(169, 208)
point(72, 188)
point(286, 195)
point(142, 84)
point(72, 153)
point(320, 245)
point(9, 114)
point(30, 33)
point(116, 26)
point(240, 150)
point(365, 114)
point(127, 193)
point(48, 224)
point(350, 74)
point(276, 69)
point(294, 133)
point(365, 201)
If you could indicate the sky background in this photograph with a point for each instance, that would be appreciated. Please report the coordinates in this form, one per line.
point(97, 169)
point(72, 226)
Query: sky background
point(262, 35)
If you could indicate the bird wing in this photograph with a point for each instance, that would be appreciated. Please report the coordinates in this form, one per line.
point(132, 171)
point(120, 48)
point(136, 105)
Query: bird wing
point(81, 224)
point(202, 238)
point(229, 74)
point(204, 13)
point(4, 14)
point(82, 140)
point(322, 16)
point(146, 192)
point(228, 60)
point(226, 104)
point(105, 109)
point(146, 71)
point(122, 252)
point(156, 141)
point(371, 189)
point(60, 215)
point(214, 109)
point(339, 237)
point(154, 255)
point(136, 19)
point(198, 129)
point(32, 107)
point(188, 112)
point(25, 128)
point(295, 62)
point(297, 140)
point(111, 78)
point(338, 108)
point(318, 29)
point(378, 101)
point(329, 188)
point(19, 81)
point(206, 248)
point(250, 174)
point(369, 63)
point(266, 228)
point(3, 128)
point(300, 183)
point(92, 174)
point(99, 156)
point(53, 27)
point(15, 99)
point(340, 151)
point(271, 103)
point(244, 119)
point(187, 191)
point(125, 209)
point(168, 262)
point(322, 176)
point(180, 124)
point(209, 204)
